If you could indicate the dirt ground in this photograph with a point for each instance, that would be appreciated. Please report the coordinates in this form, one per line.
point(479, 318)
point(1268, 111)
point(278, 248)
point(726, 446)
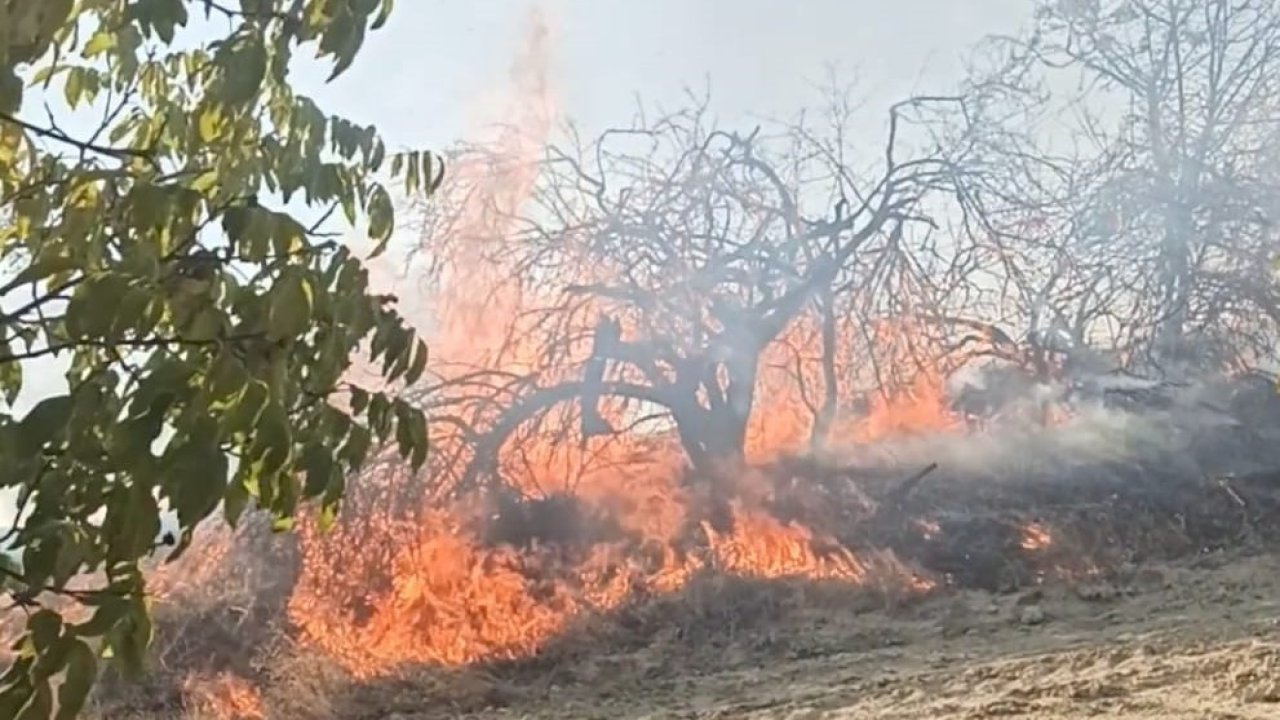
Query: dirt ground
point(1198, 639)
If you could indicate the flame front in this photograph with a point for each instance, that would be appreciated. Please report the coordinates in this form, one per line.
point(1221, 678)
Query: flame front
point(223, 696)
point(412, 574)
point(401, 580)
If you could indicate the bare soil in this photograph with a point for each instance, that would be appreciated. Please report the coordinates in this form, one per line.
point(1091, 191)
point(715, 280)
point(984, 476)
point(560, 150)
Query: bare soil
point(1195, 639)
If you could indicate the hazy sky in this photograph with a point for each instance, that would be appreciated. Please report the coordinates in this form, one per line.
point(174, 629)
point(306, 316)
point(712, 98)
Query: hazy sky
point(419, 77)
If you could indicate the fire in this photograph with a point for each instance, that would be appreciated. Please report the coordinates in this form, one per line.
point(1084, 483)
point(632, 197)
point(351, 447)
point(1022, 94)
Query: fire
point(222, 696)
point(929, 529)
point(447, 570)
point(763, 547)
point(914, 401)
point(452, 602)
point(918, 408)
point(413, 572)
point(1035, 537)
point(403, 581)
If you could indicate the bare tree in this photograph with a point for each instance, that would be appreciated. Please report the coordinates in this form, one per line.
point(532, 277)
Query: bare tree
point(1150, 174)
point(660, 265)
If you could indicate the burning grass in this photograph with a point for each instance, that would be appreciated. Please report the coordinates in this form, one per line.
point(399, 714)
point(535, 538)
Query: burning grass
point(219, 614)
point(498, 601)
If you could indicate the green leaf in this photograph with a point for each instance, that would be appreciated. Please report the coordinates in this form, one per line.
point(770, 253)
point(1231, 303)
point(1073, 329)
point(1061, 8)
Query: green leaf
point(327, 517)
point(273, 444)
point(46, 421)
point(130, 637)
point(168, 16)
point(73, 552)
point(317, 462)
point(380, 415)
point(40, 705)
point(111, 610)
point(185, 537)
point(289, 315)
point(9, 570)
point(245, 70)
point(288, 236)
point(82, 670)
point(92, 310)
point(234, 502)
point(132, 522)
point(384, 11)
point(356, 449)
point(210, 123)
point(73, 86)
point(411, 434)
point(10, 379)
point(52, 259)
point(342, 40)
point(198, 477)
point(10, 102)
point(205, 182)
point(381, 217)
point(226, 377)
point(170, 367)
point(359, 400)
point(419, 364)
point(248, 407)
point(45, 627)
point(101, 42)
point(434, 177)
point(40, 556)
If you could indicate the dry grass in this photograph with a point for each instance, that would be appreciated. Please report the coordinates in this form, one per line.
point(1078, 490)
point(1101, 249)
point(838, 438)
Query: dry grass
point(221, 632)
point(212, 649)
point(219, 619)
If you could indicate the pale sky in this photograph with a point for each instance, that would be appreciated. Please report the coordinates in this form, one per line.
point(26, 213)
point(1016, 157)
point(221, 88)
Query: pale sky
point(419, 76)
point(421, 79)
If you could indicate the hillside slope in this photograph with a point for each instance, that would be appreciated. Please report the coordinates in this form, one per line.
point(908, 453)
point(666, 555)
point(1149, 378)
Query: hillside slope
point(1193, 640)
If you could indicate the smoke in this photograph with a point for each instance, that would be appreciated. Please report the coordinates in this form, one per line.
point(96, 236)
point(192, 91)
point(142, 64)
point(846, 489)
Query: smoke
point(1194, 427)
point(441, 269)
point(554, 525)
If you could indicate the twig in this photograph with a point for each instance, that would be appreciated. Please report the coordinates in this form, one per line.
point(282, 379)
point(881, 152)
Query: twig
point(53, 134)
point(897, 495)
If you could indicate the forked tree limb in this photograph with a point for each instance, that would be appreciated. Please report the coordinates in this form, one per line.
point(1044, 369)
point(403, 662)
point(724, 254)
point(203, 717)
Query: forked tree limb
point(488, 446)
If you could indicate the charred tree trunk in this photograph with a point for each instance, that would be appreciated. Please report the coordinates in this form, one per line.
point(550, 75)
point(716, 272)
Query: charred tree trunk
point(715, 432)
point(711, 416)
point(830, 396)
point(608, 335)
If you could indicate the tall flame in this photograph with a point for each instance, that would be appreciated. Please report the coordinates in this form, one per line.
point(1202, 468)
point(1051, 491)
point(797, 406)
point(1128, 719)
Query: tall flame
point(412, 577)
point(444, 594)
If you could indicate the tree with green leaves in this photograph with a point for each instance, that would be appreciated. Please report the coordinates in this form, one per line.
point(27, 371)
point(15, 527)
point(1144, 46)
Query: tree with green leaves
point(204, 327)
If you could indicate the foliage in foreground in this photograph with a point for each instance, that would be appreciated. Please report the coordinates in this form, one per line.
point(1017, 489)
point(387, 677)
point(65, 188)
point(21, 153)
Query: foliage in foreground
point(206, 333)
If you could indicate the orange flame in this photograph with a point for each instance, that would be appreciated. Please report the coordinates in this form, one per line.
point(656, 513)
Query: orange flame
point(223, 696)
point(1035, 537)
point(412, 574)
point(409, 578)
point(763, 547)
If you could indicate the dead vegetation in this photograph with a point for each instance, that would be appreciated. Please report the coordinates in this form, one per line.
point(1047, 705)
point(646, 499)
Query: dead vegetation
point(1097, 534)
point(738, 646)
